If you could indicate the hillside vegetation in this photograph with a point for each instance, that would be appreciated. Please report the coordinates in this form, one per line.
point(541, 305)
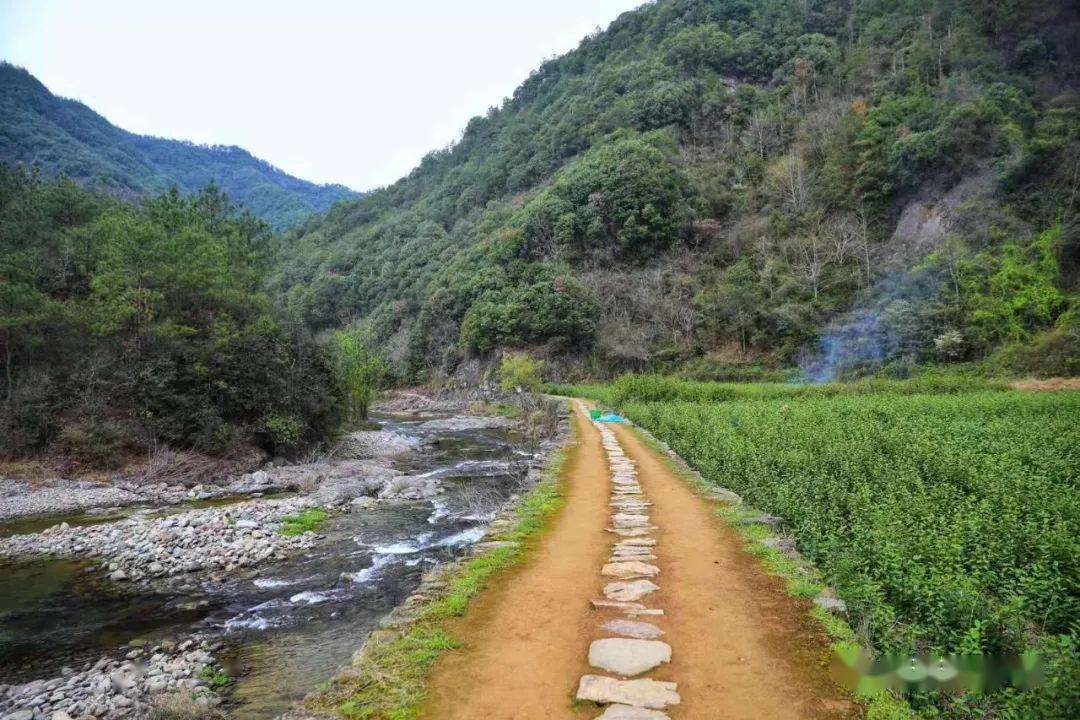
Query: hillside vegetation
point(127, 326)
point(64, 137)
point(715, 182)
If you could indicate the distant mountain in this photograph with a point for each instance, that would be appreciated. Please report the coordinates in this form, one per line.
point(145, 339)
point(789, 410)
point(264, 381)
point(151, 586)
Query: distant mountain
point(64, 136)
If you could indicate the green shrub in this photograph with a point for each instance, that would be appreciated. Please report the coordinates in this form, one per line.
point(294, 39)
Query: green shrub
point(519, 371)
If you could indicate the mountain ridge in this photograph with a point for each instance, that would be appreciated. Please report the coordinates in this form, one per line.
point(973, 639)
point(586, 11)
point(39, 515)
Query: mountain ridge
point(708, 180)
point(65, 136)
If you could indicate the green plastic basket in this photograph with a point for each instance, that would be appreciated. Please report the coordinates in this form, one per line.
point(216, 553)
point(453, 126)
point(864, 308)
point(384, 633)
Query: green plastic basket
point(595, 414)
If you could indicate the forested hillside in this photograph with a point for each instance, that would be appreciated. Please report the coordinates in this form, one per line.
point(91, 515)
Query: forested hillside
point(125, 327)
point(64, 137)
point(711, 183)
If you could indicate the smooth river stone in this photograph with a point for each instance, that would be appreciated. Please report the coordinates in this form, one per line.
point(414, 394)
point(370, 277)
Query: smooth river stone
point(654, 694)
point(632, 628)
point(628, 657)
point(629, 591)
point(629, 569)
point(627, 712)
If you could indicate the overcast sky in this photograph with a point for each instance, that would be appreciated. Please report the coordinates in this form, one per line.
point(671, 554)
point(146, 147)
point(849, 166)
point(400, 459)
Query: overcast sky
point(331, 91)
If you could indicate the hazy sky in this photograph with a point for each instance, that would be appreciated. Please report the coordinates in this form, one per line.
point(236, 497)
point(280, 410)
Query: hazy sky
point(350, 92)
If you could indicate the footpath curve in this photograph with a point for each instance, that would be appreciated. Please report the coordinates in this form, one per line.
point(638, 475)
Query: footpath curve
point(682, 623)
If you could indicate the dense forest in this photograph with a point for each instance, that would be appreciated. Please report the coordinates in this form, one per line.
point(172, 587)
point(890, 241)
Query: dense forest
point(64, 137)
point(712, 185)
point(123, 326)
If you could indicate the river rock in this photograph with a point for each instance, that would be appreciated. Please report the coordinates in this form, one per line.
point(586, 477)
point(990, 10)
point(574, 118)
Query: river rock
point(628, 712)
point(466, 422)
point(632, 628)
point(653, 694)
point(629, 591)
point(379, 443)
point(407, 487)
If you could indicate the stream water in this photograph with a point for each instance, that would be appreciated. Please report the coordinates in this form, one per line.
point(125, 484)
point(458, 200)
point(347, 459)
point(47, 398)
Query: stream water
point(285, 626)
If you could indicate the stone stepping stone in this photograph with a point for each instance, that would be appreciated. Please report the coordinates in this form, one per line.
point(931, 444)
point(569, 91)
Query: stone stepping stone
point(653, 694)
point(632, 628)
point(605, 604)
point(628, 657)
point(624, 558)
point(631, 551)
point(628, 712)
point(629, 570)
point(629, 591)
point(632, 531)
point(637, 612)
point(649, 542)
point(627, 520)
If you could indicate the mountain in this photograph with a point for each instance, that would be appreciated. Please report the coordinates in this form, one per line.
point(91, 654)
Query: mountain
point(711, 184)
point(64, 136)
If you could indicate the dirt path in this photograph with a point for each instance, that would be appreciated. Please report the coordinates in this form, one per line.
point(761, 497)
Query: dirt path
point(740, 647)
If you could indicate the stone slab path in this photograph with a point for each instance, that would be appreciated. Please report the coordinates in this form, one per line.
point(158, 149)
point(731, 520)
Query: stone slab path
point(638, 603)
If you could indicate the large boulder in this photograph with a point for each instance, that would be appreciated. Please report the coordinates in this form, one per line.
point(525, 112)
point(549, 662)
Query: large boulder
point(410, 487)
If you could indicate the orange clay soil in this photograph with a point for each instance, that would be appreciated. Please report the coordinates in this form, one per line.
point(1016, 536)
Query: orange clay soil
point(741, 648)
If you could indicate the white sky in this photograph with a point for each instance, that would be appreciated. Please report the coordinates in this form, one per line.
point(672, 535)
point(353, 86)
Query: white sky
point(330, 91)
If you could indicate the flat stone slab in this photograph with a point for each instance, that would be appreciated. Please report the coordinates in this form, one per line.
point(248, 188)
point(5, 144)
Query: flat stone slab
point(629, 569)
point(640, 554)
point(605, 604)
point(628, 712)
point(633, 531)
point(636, 541)
point(653, 694)
point(626, 520)
point(636, 612)
point(628, 657)
point(623, 558)
point(629, 591)
point(632, 628)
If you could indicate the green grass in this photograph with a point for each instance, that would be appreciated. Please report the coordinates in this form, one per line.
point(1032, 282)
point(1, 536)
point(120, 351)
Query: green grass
point(214, 679)
point(307, 521)
point(947, 522)
point(391, 681)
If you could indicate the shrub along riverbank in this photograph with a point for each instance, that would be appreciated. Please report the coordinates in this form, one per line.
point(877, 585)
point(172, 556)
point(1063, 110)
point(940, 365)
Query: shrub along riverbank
point(947, 522)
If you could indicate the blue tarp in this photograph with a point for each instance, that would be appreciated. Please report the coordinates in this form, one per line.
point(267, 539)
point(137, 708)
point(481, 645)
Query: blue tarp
point(611, 418)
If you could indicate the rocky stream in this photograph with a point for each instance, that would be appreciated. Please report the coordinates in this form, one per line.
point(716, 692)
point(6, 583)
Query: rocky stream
point(131, 601)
